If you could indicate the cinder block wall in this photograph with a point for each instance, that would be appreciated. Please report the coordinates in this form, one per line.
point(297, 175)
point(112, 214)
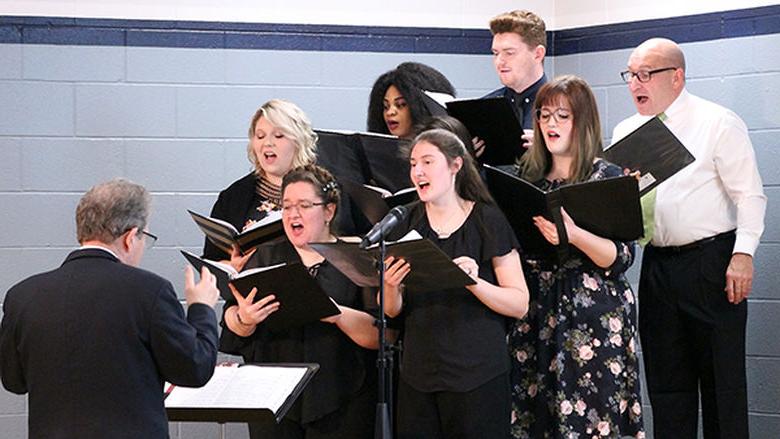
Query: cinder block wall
point(79, 109)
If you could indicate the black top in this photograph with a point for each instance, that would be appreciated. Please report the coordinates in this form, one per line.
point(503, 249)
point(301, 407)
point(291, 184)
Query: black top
point(236, 204)
point(453, 342)
point(93, 341)
point(522, 103)
point(345, 367)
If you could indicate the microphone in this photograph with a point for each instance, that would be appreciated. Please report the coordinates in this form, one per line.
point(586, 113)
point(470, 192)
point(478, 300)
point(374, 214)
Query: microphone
point(385, 226)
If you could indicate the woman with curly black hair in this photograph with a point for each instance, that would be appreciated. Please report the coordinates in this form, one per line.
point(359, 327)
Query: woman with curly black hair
point(396, 103)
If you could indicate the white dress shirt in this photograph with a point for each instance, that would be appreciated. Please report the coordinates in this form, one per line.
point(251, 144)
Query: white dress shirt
point(720, 191)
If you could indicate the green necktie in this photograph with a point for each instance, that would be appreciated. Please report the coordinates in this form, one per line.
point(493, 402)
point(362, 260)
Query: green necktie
point(648, 216)
point(648, 208)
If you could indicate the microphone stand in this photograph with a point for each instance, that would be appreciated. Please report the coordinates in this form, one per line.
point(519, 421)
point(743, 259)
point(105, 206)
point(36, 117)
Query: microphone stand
point(384, 363)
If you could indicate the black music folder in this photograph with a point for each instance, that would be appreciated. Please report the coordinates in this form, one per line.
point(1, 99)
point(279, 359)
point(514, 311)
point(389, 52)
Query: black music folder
point(374, 201)
point(492, 120)
point(300, 297)
point(246, 393)
point(370, 158)
point(609, 208)
point(431, 268)
point(652, 150)
point(224, 235)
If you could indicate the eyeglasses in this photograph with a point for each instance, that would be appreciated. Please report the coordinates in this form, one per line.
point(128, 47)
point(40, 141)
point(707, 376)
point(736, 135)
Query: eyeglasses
point(642, 75)
point(561, 115)
point(300, 206)
point(150, 239)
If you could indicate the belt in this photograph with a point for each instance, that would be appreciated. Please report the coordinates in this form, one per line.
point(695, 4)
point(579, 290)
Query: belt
point(695, 245)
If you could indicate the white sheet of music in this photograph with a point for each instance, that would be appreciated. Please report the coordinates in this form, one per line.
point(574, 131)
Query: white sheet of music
point(253, 387)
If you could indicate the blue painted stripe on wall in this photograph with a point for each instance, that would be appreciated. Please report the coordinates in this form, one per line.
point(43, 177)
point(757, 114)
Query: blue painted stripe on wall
point(687, 29)
point(216, 35)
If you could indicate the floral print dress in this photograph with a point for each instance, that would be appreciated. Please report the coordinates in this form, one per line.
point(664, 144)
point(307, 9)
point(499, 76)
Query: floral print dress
point(575, 370)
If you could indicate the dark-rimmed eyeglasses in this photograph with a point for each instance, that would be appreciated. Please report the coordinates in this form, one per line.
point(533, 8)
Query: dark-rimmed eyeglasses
point(300, 206)
point(561, 115)
point(642, 75)
point(150, 239)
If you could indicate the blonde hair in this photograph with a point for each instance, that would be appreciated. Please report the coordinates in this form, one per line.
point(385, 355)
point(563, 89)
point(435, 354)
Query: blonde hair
point(295, 125)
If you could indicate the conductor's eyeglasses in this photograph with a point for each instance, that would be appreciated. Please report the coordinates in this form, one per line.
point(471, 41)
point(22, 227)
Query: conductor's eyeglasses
point(642, 75)
point(149, 240)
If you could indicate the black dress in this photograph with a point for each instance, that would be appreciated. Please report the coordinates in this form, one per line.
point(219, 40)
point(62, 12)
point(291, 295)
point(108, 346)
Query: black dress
point(452, 341)
point(340, 400)
point(574, 353)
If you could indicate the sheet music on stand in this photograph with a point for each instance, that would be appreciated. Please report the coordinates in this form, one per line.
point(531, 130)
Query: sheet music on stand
point(250, 392)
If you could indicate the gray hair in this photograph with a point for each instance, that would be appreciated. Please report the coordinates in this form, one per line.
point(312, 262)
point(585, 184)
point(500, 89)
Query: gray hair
point(110, 209)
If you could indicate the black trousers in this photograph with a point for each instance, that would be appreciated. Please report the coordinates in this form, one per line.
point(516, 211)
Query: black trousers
point(693, 341)
point(480, 413)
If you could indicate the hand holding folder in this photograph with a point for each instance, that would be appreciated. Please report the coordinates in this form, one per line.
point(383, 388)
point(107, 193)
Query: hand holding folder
point(300, 297)
point(431, 268)
point(609, 208)
point(653, 150)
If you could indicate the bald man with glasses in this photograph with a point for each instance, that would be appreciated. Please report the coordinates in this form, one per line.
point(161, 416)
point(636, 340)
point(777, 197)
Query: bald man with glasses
point(697, 269)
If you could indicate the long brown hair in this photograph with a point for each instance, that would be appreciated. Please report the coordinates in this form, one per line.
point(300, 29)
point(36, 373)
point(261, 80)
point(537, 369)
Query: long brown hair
point(586, 130)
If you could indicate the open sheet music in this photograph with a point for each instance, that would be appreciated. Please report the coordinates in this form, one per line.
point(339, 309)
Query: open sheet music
point(609, 208)
point(299, 295)
point(224, 235)
point(432, 269)
point(251, 387)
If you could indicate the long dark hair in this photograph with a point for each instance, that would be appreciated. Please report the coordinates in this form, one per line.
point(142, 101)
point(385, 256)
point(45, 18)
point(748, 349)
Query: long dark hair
point(586, 130)
point(410, 78)
point(468, 183)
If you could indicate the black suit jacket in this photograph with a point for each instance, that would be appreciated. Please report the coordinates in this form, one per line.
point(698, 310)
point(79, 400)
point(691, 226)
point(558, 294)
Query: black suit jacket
point(92, 342)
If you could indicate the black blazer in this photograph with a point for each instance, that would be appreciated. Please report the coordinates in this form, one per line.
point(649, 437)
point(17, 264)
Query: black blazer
point(92, 343)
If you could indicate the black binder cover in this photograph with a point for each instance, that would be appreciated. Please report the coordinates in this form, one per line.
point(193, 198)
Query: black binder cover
point(653, 150)
point(493, 121)
point(300, 297)
point(224, 235)
point(224, 415)
point(609, 208)
point(431, 268)
point(373, 204)
point(364, 158)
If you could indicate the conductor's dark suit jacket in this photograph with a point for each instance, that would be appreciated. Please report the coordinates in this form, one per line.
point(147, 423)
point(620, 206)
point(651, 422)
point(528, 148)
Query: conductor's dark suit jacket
point(92, 343)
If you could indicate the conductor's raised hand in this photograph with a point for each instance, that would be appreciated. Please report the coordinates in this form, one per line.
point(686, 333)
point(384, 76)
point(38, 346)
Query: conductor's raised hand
point(250, 312)
point(205, 291)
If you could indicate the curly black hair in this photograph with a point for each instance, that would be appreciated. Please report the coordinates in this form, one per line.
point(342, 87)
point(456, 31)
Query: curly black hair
point(410, 78)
